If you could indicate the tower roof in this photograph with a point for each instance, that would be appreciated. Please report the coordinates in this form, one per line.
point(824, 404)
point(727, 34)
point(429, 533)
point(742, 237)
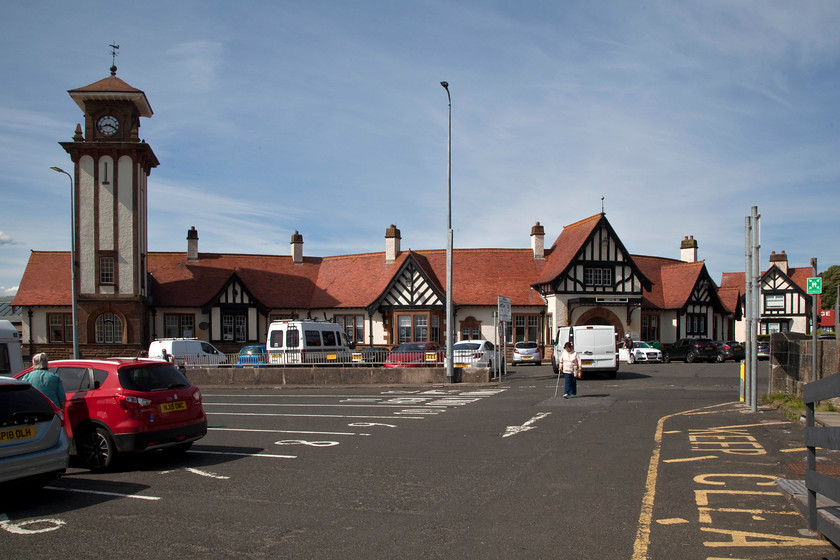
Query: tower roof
point(111, 89)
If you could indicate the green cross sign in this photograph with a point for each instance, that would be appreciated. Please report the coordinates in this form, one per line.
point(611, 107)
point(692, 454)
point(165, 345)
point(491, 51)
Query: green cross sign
point(815, 285)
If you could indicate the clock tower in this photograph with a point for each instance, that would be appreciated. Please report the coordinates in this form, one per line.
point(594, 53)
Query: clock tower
point(111, 168)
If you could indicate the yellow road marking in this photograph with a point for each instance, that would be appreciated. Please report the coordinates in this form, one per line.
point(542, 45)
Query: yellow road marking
point(689, 459)
point(640, 546)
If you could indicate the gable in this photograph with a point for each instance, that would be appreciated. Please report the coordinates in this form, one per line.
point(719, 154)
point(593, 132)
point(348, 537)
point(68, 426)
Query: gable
point(410, 287)
point(588, 257)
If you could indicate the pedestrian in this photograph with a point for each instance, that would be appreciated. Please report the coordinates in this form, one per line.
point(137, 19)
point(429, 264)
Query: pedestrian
point(570, 366)
point(628, 342)
point(165, 356)
point(46, 381)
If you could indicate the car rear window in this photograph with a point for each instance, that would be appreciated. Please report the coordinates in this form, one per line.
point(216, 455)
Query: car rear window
point(467, 346)
point(526, 344)
point(156, 378)
point(20, 404)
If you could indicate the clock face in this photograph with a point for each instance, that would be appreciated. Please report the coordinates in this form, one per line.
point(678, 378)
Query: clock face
point(108, 125)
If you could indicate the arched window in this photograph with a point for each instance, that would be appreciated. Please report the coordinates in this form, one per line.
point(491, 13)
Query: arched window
point(109, 329)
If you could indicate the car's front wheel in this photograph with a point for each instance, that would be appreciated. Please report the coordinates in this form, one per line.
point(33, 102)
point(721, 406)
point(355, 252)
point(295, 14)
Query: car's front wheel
point(632, 359)
point(97, 449)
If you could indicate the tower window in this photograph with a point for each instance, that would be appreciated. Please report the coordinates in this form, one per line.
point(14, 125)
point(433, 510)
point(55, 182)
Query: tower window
point(109, 329)
point(106, 270)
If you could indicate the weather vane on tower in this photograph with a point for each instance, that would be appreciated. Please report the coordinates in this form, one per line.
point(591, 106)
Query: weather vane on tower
point(114, 54)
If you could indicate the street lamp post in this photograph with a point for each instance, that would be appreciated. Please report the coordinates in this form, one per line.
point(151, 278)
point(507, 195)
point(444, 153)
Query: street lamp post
point(449, 315)
point(76, 355)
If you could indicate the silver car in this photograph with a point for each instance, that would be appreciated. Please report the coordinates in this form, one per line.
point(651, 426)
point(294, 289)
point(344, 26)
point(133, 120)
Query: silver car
point(33, 444)
point(527, 352)
point(473, 353)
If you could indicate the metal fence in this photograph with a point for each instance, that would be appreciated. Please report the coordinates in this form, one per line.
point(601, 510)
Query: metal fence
point(371, 357)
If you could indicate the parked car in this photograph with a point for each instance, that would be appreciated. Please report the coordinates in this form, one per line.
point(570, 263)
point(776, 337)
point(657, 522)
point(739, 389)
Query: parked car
point(373, 355)
point(251, 357)
point(474, 353)
point(186, 352)
point(691, 349)
point(527, 352)
point(642, 352)
point(127, 405)
point(729, 350)
point(416, 354)
point(763, 350)
point(33, 444)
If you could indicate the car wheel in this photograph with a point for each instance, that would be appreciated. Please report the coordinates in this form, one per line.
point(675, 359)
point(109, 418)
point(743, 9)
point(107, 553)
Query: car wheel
point(554, 365)
point(666, 357)
point(612, 374)
point(97, 449)
point(537, 363)
point(632, 359)
point(689, 357)
point(720, 358)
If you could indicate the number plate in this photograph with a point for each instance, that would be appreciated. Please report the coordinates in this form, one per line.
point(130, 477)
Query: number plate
point(332, 357)
point(460, 365)
point(173, 406)
point(586, 362)
point(17, 434)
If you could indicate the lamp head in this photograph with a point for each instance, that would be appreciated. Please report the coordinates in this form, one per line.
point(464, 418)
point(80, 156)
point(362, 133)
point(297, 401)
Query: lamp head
point(445, 85)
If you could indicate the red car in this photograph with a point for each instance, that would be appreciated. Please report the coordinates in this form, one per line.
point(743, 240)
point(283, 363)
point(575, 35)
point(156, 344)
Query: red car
point(416, 354)
point(127, 405)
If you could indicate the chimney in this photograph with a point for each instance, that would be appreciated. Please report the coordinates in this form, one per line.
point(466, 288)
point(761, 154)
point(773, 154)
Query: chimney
point(538, 241)
point(779, 261)
point(392, 244)
point(688, 249)
point(297, 248)
point(192, 245)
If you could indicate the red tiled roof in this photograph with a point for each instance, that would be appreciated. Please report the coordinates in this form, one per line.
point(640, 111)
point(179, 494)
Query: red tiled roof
point(566, 247)
point(350, 281)
point(46, 280)
point(673, 280)
point(730, 298)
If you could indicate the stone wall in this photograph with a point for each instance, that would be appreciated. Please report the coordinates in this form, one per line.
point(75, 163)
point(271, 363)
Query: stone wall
point(288, 376)
point(791, 362)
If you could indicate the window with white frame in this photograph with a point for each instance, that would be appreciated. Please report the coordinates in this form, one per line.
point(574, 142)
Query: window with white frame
point(774, 301)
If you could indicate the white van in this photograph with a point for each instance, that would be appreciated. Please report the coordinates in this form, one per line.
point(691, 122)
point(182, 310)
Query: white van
point(595, 344)
point(11, 360)
point(187, 352)
point(295, 341)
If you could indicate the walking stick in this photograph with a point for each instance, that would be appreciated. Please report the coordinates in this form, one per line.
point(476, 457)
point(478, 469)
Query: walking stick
point(556, 387)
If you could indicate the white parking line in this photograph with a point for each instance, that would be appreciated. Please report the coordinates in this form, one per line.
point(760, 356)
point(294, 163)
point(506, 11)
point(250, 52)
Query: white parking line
point(377, 405)
point(283, 431)
point(310, 415)
point(100, 493)
point(266, 455)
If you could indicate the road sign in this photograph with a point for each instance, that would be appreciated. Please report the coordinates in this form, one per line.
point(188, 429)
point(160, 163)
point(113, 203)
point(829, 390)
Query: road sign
point(815, 285)
point(504, 309)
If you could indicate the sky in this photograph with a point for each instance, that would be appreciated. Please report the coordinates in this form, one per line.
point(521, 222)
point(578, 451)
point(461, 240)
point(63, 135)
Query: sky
point(328, 118)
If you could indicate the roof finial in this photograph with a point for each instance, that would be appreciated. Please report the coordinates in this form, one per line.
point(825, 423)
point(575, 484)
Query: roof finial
point(114, 54)
point(602, 204)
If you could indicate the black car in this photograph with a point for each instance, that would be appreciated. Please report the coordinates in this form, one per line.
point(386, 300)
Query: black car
point(691, 349)
point(729, 350)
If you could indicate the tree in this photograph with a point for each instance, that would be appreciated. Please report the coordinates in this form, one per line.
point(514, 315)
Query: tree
point(830, 281)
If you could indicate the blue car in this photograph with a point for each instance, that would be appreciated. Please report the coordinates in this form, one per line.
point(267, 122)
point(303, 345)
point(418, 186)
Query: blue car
point(252, 356)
